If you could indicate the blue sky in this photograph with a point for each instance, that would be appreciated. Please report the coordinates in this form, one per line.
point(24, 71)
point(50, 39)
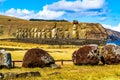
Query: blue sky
point(105, 12)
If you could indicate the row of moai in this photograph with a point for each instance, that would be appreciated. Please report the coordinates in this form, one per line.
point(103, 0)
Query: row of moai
point(50, 33)
point(56, 32)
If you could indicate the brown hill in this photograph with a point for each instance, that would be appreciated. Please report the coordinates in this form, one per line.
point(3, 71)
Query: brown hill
point(9, 25)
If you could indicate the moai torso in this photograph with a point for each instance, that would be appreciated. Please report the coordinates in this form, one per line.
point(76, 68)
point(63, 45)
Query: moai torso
point(28, 32)
point(48, 34)
point(43, 35)
point(74, 34)
point(82, 33)
point(54, 33)
point(39, 33)
point(25, 33)
point(32, 33)
point(66, 34)
point(22, 33)
point(17, 33)
point(35, 33)
point(60, 34)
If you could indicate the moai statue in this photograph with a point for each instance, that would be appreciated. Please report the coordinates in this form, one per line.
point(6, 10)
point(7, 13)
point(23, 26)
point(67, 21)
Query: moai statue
point(35, 33)
point(32, 33)
point(60, 33)
point(28, 33)
point(83, 31)
point(25, 33)
point(43, 35)
point(35, 29)
point(22, 33)
point(17, 33)
point(39, 33)
point(54, 32)
point(66, 34)
point(48, 33)
point(74, 34)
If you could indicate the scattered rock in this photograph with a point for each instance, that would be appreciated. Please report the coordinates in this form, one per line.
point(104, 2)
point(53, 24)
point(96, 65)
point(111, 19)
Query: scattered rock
point(54, 73)
point(55, 66)
point(37, 58)
point(88, 54)
point(5, 59)
point(10, 75)
point(1, 75)
point(111, 54)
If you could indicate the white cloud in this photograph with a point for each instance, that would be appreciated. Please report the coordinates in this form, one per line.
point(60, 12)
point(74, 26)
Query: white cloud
point(49, 14)
point(62, 8)
point(77, 5)
point(116, 28)
point(27, 14)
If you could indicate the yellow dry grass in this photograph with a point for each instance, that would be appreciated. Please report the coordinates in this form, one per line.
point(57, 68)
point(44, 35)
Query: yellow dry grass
point(67, 71)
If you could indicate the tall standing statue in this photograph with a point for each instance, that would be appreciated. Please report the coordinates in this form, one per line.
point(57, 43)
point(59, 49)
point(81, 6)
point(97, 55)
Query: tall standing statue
point(74, 34)
point(17, 33)
point(66, 34)
point(35, 33)
point(39, 33)
point(54, 32)
point(48, 33)
point(83, 31)
point(43, 35)
point(60, 33)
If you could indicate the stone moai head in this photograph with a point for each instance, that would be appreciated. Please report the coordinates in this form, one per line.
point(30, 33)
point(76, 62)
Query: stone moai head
point(75, 24)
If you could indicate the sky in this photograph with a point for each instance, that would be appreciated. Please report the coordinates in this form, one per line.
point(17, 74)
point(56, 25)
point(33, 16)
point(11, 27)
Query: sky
point(105, 12)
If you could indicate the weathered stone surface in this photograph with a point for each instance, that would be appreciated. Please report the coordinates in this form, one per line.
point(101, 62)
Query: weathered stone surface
point(111, 54)
point(54, 73)
point(5, 59)
point(37, 58)
point(88, 54)
point(1, 75)
point(55, 66)
point(12, 75)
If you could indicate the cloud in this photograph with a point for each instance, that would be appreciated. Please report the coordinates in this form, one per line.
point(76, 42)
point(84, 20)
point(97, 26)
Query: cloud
point(62, 9)
point(49, 14)
point(28, 14)
point(76, 5)
point(102, 18)
point(85, 7)
point(116, 28)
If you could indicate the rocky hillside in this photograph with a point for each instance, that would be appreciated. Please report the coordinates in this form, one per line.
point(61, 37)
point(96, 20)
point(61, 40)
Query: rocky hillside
point(9, 26)
point(113, 33)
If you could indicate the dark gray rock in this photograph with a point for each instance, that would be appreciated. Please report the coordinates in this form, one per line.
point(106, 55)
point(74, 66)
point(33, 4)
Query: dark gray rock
point(5, 59)
point(1, 75)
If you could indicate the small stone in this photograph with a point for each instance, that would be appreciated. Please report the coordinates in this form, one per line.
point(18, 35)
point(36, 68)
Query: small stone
point(1, 75)
point(55, 66)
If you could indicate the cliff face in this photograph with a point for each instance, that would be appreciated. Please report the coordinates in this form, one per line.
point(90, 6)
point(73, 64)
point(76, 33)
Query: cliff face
point(113, 33)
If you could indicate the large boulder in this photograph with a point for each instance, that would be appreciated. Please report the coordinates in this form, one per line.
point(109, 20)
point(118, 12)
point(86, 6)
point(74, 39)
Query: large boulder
point(88, 54)
point(5, 59)
point(37, 58)
point(111, 54)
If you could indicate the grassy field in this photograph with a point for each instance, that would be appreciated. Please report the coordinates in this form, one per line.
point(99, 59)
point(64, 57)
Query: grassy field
point(68, 71)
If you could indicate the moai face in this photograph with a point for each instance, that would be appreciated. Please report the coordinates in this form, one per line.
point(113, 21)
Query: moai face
point(75, 27)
